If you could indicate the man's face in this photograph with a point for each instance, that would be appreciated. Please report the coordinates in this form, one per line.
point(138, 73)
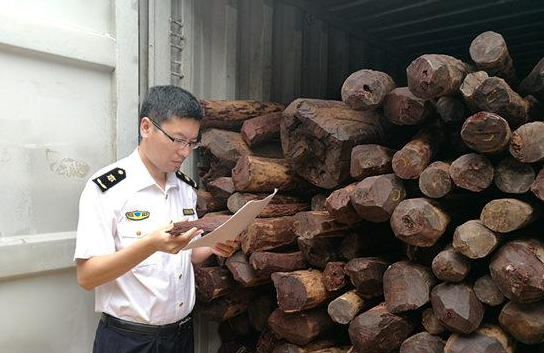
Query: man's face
point(165, 154)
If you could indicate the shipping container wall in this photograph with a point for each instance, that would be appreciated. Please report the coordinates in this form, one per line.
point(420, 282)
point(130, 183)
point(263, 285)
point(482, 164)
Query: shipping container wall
point(69, 88)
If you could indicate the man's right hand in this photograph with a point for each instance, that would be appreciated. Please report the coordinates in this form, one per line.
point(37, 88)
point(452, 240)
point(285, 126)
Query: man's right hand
point(172, 244)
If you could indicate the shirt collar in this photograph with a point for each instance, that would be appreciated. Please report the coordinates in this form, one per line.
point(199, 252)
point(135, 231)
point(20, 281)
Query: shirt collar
point(143, 178)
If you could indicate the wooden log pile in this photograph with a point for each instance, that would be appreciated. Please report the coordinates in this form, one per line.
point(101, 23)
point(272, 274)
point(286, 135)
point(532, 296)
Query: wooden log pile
point(431, 246)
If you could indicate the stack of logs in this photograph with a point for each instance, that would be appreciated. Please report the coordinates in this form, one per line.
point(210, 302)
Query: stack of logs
point(407, 219)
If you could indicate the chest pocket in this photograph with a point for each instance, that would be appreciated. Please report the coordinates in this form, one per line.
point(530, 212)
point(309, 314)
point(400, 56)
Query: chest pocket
point(130, 232)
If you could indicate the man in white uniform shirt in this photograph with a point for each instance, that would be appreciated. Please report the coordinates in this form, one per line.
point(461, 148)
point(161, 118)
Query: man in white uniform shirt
point(144, 284)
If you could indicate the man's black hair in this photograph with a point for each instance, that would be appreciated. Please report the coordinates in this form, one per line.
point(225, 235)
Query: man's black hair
point(165, 102)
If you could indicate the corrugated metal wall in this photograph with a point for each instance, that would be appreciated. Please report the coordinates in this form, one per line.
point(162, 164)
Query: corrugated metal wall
point(269, 50)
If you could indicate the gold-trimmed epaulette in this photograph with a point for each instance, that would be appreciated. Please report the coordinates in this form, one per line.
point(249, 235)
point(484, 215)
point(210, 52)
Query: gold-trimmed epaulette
point(186, 179)
point(110, 179)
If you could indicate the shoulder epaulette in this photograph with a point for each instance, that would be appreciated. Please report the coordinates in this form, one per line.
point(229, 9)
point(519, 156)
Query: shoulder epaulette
point(186, 179)
point(110, 179)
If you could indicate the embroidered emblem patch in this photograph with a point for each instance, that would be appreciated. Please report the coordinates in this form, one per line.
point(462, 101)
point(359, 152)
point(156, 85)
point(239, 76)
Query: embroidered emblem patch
point(137, 215)
point(188, 212)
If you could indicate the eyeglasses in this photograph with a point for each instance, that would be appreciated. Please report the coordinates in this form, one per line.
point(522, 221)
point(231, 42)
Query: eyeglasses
point(181, 143)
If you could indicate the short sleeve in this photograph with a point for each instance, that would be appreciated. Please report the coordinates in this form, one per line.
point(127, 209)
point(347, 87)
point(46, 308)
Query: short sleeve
point(95, 225)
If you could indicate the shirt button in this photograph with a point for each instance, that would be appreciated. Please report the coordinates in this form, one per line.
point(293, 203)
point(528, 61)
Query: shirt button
point(181, 303)
point(138, 233)
point(180, 275)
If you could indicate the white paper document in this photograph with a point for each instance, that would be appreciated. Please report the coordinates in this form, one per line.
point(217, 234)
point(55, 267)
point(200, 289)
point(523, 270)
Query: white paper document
point(235, 225)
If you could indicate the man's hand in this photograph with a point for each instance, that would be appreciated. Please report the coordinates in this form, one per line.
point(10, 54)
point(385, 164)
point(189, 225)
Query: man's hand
point(171, 244)
point(225, 249)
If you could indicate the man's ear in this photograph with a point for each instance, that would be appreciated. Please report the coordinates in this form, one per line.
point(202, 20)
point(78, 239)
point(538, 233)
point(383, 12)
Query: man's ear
point(145, 127)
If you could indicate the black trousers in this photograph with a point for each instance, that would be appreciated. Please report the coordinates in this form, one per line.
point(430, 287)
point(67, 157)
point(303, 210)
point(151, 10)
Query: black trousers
point(111, 339)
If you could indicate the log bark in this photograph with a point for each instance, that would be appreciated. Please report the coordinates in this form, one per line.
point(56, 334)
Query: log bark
point(206, 203)
point(369, 160)
point(312, 346)
point(402, 107)
point(313, 224)
point(280, 205)
point(435, 75)
point(457, 307)
point(490, 53)
point(495, 95)
point(317, 136)
point(488, 338)
point(419, 222)
point(265, 263)
point(378, 330)
point(319, 251)
point(339, 206)
point(513, 176)
point(527, 143)
point(318, 202)
point(486, 132)
point(267, 342)
point(259, 310)
point(334, 276)
point(231, 114)
point(260, 174)
point(506, 215)
point(406, 286)
point(300, 290)
point(366, 274)
point(342, 349)
point(261, 129)
point(300, 328)
point(206, 224)
point(344, 308)
point(242, 272)
point(518, 270)
point(451, 109)
point(267, 234)
point(472, 171)
point(422, 342)
point(431, 323)
point(227, 146)
point(366, 89)
point(474, 240)
point(534, 82)
point(450, 266)
point(226, 307)
point(375, 198)
point(524, 321)
point(410, 161)
point(537, 187)
point(221, 189)
point(212, 282)
point(487, 292)
point(471, 82)
point(435, 181)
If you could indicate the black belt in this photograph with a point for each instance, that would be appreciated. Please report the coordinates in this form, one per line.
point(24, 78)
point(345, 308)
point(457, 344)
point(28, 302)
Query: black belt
point(136, 327)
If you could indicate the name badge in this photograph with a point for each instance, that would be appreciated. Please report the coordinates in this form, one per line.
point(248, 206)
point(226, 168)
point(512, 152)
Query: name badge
point(188, 212)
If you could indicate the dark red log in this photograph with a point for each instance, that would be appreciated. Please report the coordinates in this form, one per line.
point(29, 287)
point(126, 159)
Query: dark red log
point(457, 307)
point(313, 224)
point(243, 273)
point(419, 222)
point(518, 270)
point(259, 310)
point(319, 251)
point(486, 132)
point(226, 307)
point(435, 75)
point(212, 282)
point(280, 205)
point(268, 234)
point(227, 146)
point(474, 240)
point(366, 89)
point(410, 161)
point(488, 338)
point(513, 176)
point(302, 327)
point(452, 109)
point(265, 263)
point(261, 129)
point(431, 323)
point(537, 188)
point(487, 292)
point(450, 266)
point(221, 189)
point(490, 53)
point(472, 171)
point(344, 308)
point(378, 330)
point(318, 136)
point(369, 160)
point(402, 107)
point(527, 143)
point(334, 276)
point(507, 215)
point(435, 180)
point(534, 82)
point(468, 87)
point(375, 198)
point(206, 203)
point(524, 321)
point(300, 290)
point(366, 274)
point(231, 114)
point(406, 286)
point(339, 206)
point(422, 342)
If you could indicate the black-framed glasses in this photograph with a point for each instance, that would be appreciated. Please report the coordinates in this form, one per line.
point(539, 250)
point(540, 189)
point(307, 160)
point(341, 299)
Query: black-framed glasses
point(181, 143)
